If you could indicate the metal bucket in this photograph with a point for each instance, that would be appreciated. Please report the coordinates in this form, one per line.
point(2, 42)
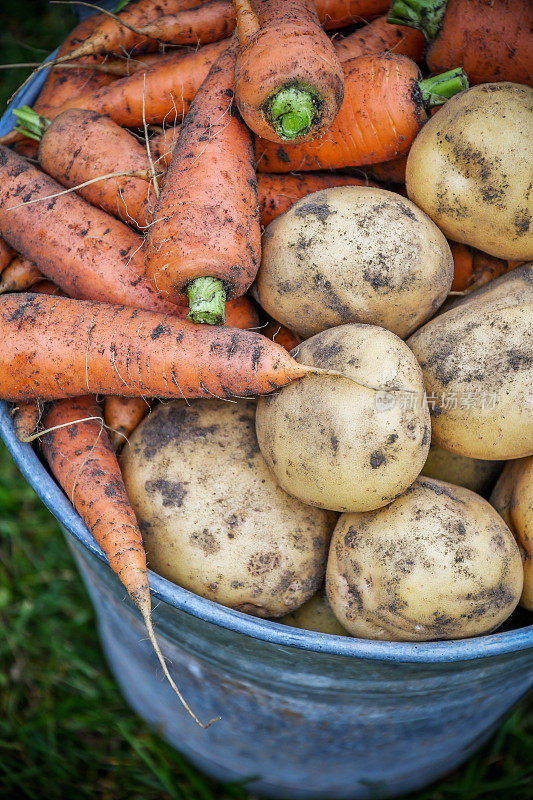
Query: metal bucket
point(303, 714)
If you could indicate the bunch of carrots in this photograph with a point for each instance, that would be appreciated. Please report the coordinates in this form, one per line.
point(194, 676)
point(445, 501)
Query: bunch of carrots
point(133, 194)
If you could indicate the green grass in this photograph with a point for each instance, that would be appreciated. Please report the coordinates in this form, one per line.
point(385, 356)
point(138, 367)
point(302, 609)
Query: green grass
point(65, 730)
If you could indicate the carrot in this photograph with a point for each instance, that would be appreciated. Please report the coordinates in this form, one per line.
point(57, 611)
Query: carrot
point(390, 171)
point(122, 415)
point(277, 193)
point(6, 254)
point(55, 347)
point(80, 146)
point(205, 237)
point(115, 35)
point(47, 287)
point(26, 418)
point(473, 268)
point(289, 82)
point(490, 39)
point(168, 89)
point(281, 335)
point(20, 274)
point(82, 459)
point(162, 146)
point(379, 37)
point(80, 248)
point(384, 108)
point(209, 22)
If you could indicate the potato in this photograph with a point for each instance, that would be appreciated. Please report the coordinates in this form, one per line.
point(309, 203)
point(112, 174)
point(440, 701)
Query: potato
point(336, 444)
point(213, 519)
point(353, 254)
point(469, 168)
point(315, 615)
point(472, 473)
point(477, 360)
point(512, 497)
point(437, 563)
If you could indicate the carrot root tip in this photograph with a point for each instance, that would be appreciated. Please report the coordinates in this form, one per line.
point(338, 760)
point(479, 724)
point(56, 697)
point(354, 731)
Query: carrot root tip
point(207, 301)
point(424, 15)
point(439, 88)
point(292, 111)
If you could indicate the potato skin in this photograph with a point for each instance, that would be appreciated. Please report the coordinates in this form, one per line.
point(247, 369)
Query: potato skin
point(512, 497)
point(353, 254)
point(213, 519)
point(315, 615)
point(469, 169)
point(473, 473)
point(335, 444)
point(479, 355)
point(437, 563)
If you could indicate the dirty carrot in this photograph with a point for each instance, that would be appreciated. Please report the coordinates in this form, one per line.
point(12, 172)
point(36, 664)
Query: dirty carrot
point(6, 254)
point(473, 268)
point(384, 107)
point(55, 347)
point(490, 40)
point(20, 274)
point(281, 335)
point(168, 89)
point(289, 82)
point(122, 415)
point(379, 36)
point(80, 146)
point(205, 237)
point(86, 252)
point(390, 171)
point(277, 193)
point(208, 22)
point(81, 457)
point(26, 418)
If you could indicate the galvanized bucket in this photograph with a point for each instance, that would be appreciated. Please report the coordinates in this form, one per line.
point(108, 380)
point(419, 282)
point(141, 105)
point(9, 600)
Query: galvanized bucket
point(303, 714)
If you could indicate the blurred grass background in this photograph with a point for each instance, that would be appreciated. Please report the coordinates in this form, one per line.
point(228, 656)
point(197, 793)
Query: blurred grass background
point(64, 727)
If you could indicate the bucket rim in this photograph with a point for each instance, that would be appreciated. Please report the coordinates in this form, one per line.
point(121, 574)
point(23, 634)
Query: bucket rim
point(57, 502)
point(496, 644)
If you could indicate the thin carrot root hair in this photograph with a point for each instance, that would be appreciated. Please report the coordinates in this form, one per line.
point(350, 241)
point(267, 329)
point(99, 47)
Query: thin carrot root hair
point(337, 374)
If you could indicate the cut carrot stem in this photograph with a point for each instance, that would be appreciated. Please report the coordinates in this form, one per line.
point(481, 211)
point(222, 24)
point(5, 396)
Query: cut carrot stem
point(439, 88)
point(293, 111)
point(424, 15)
point(207, 301)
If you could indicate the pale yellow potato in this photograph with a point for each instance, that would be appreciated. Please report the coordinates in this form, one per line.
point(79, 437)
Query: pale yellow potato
point(477, 360)
point(315, 615)
point(470, 169)
point(512, 497)
point(353, 254)
point(437, 563)
point(213, 518)
point(473, 473)
point(336, 444)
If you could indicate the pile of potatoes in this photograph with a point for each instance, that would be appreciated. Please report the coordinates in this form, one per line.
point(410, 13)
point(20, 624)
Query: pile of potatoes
point(372, 501)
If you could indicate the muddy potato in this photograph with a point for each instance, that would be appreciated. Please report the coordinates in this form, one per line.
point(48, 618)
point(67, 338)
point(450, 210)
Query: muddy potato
point(512, 498)
point(469, 169)
point(315, 615)
point(336, 444)
point(473, 473)
point(353, 254)
point(437, 563)
point(213, 519)
point(477, 360)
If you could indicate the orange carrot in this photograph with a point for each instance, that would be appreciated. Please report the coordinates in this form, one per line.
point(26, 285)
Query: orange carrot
point(490, 39)
point(122, 415)
point(473, 269)
point(6, 254)
point(383, 110)
point(26, 418)
point(379, 37)
point(289, 82)
point(162, 146)
point(205, 237)
point(20, 274)
point(55, 347)
point(168, 89)
point(277, 193)
point(47, 287)
point(390, 171)
point(208, 22)
point(80, 146)
point(281, 335)
point(82, 459)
